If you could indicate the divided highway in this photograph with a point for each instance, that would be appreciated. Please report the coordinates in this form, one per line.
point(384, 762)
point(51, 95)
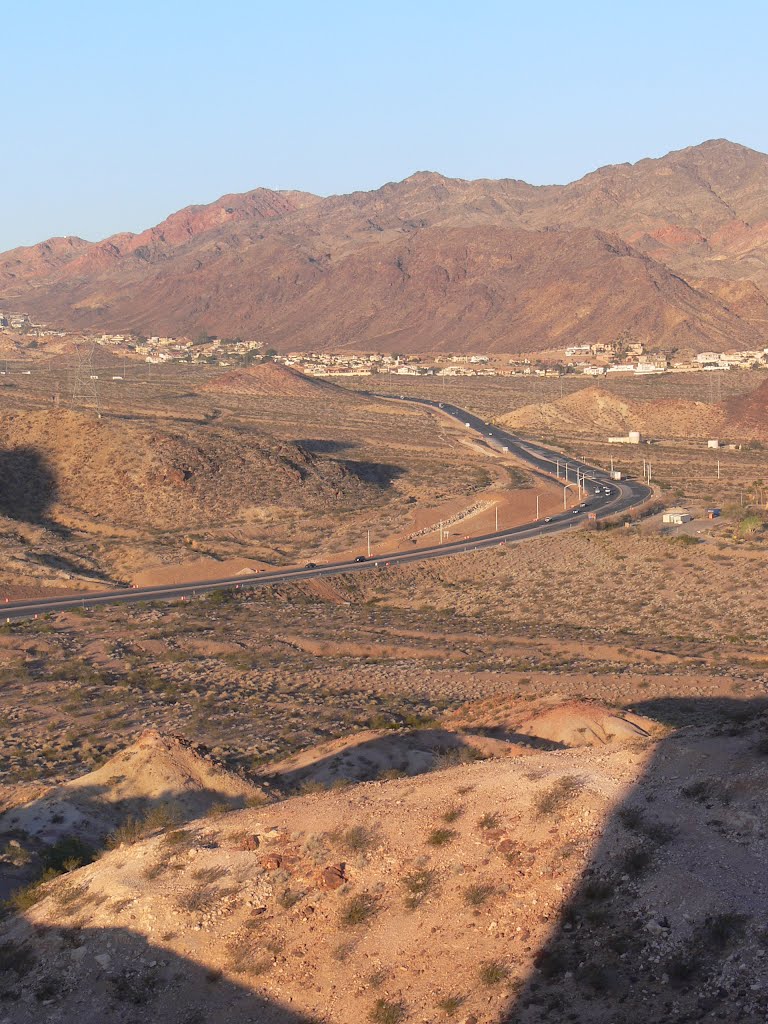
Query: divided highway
point(601, 496)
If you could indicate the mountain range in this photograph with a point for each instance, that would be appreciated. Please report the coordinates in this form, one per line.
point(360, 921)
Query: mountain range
point(672, 252)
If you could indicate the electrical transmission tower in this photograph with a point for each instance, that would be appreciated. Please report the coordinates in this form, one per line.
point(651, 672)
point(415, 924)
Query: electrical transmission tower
point(85, 380)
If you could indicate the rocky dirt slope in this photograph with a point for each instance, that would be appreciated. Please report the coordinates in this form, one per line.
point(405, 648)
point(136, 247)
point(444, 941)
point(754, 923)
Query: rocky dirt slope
point(585, 884)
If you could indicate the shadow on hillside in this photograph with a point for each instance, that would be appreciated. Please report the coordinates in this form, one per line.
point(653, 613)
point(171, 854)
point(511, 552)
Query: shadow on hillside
point(28, 485)
point(86, 815)
point(42, 969)
point(672, 904)
point(396, 753)
point(380, 474)
point(322, 446)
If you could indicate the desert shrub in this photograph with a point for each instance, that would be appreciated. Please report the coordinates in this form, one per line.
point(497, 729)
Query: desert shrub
point(130, 831)
point(357, 910)
point(452, 814)
point(492, 972)
point(557, 795)
point(454, 756)
point(477, 895)
point(489, 821)
point(178, 838)
point(385, 1011)
point(198, 900)
point(67, 854)
point(210, 875)
point(700, 791)
point(418, 884)
point(441, 836)
point(343, 951)
point(450, 1004)
point(635, 861)
point(16, 957)
point(357, 839)
point(721, 931)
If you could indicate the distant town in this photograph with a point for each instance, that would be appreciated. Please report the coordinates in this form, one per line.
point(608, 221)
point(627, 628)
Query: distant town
point(21, 335)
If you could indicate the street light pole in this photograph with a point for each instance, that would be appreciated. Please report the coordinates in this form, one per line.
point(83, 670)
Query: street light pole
point(537, 507)
point(369, 543)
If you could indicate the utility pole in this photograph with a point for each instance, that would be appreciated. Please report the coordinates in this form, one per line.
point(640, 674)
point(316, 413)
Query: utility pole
point(496, 508)
point(557, 464)
point(718, 469)
point(85, 391)
point(537, 507)
point(369, 543)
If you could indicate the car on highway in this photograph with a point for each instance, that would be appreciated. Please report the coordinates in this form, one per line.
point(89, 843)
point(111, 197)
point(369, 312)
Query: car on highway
point(311, 565)
point(575, 511)
point(548, 519)
point(360, 558)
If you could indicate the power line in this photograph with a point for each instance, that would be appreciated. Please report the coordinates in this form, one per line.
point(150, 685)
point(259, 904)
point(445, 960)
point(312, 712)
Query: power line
point(85, 382)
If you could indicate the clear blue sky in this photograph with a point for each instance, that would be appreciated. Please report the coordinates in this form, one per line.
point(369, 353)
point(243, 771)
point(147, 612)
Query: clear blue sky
point(116, 114)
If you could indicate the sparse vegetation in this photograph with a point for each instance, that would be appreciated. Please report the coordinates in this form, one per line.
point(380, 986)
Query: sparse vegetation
point(385, 1011)
point(493, 972)
point(556, 796)
point(418, 885)
point(357, 910)
point(441, 836)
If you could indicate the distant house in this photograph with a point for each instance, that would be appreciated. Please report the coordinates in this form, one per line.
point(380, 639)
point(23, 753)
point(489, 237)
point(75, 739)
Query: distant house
point(676, 516)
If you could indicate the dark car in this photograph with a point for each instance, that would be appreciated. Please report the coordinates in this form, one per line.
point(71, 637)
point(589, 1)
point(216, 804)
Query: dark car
point(311, 565)
point(360, 558)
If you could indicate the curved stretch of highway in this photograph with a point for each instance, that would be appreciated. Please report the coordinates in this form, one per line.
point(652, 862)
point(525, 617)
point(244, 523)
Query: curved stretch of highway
point(600, 497)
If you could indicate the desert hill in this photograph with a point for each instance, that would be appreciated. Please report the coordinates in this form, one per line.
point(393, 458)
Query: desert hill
point(590, 878)
point(749, 413)
point(154, 771)
point(274, 380)
point(133, 473)
point(597, 410)
point(672, 250)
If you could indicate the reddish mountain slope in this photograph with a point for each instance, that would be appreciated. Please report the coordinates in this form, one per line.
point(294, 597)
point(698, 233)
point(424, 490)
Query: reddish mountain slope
point(436, 263)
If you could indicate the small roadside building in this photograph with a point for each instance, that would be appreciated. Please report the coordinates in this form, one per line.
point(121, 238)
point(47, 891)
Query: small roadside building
point(676, 516)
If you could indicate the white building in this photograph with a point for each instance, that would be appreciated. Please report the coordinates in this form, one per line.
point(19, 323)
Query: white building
point(676, 516)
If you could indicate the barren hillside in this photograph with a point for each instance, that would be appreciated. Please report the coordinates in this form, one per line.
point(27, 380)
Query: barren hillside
point(495, 891)
point(595, 410)
point(673, 251)
point(274, 380)
point(131, 473)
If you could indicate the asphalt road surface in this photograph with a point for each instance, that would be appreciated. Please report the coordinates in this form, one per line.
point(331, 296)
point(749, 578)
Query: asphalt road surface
point(600, 495)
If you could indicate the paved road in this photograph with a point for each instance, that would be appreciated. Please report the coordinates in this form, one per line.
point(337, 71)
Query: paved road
point(603, 497)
